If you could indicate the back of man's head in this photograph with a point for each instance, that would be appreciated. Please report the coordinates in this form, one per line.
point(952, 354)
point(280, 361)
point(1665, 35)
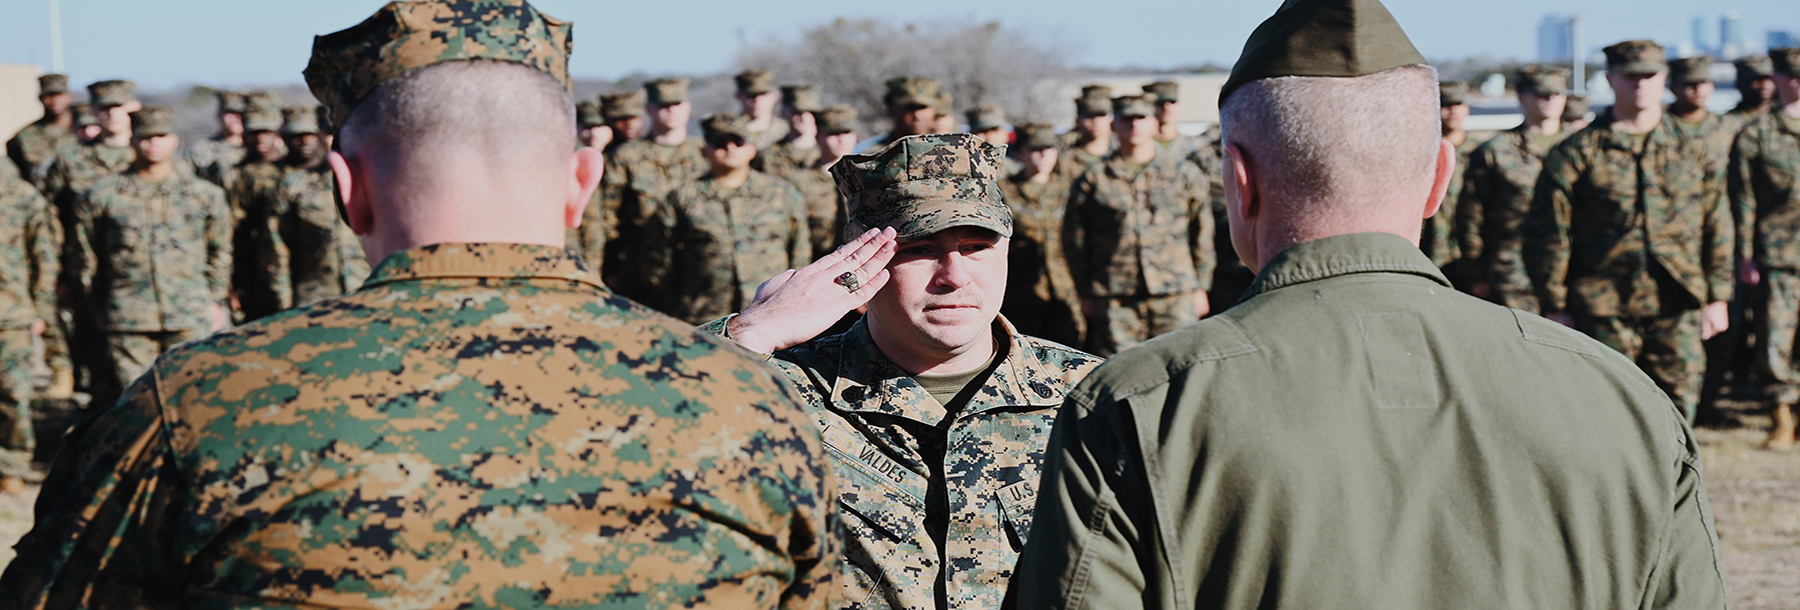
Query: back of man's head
point(428, 139)
point(1339, 154)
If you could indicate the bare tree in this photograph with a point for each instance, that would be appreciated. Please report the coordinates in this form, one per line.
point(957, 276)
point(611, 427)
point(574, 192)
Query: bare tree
point(852, 59)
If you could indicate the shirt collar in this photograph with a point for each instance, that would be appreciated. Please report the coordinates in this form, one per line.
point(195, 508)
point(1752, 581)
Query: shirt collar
point(1343, 255)
point(492, 260)
point(868, 382)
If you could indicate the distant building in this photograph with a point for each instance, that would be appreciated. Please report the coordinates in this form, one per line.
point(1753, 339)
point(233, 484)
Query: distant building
point(1701, 41)
point(1783, 39)
point(1732, 41)
point(1555, 38)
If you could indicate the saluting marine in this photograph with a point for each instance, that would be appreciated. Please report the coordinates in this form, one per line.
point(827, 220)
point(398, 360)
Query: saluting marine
point(933, 407)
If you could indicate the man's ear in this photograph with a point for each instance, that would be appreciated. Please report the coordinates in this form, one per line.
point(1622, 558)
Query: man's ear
point(1243, 206)
point(1440, 183)
point(586, 167)
point(354, 203)
point(1239, 177)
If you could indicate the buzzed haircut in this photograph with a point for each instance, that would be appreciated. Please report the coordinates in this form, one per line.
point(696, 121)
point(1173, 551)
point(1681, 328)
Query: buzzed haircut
point(512, 114)
point(1319, 139)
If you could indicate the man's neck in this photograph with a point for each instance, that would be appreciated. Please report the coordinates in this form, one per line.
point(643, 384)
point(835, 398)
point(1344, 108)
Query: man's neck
point(1752, 107)
point(1039, 177)
point(65, 120)
point(1543, 125)
point(153, 171)
point(1136, 153)
point(1640, 120)
point(1456, 136)
point(731, 177)
point(1687, 112)
point(799, 142)
point(234, 139)
point(674, 136)
point(762, 123)
point(1096, 145)
point(1168, 132)
point(910, 358)
point(116, 140)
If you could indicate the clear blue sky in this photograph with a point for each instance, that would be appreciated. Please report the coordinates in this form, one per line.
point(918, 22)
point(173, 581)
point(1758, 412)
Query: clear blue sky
point(248, 42)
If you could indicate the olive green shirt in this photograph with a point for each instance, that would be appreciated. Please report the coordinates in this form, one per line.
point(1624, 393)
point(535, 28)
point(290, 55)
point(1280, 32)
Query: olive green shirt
point(1357, 434)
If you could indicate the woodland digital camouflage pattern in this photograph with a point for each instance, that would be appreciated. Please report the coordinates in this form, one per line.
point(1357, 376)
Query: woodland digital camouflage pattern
point(350, 64)
point(76, 169)
point(1438, 236)
point(323, 258)
point(889, 446)
point(35, 146)
point(155, 256)
point(1635, 228)
point(728, 240)
point(215, 151)
point(482, 425)
point(1490, 212)
point(1131, 233)
point(640, 175)
point(28, 269)
point(255, 277)
point(785, 158)
point(920, 185)
point(1040, 293)
point(1764, 183)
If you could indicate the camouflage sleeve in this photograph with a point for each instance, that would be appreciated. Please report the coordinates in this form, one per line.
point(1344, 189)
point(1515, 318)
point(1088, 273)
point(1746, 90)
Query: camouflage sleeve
point(1468, 205)
point(1074, 234)
point(1200, 224)
point(274, 249)
point(800, 252)
point(1546, 230)
point(612, 194)
point(83, 259)
point(1743, 196)
point(1719, 246)
point(15, 150)
point(45, 253)
point(594, 227)
point(106, 516)
point(218, 244)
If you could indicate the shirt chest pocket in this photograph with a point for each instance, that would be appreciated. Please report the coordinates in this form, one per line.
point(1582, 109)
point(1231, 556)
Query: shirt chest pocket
point(881, 517)
point(1017, 502)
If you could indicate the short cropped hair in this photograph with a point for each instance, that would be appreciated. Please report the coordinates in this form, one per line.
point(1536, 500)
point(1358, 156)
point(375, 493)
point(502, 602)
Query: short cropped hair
point(1317, 140)
point(510, 113)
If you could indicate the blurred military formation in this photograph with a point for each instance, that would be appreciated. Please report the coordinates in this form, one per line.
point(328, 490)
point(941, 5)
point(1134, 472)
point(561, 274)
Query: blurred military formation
point(1669, 234)
point(1120, 216)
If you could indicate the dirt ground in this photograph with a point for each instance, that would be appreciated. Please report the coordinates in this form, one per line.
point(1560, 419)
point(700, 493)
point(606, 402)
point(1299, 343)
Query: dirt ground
point(1755, 498)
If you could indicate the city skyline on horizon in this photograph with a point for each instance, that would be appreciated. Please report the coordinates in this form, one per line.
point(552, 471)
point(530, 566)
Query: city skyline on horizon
point(103, 38)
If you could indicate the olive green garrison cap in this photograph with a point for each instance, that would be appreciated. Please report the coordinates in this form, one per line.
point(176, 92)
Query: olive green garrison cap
point(1341, 38)
point(347, 66)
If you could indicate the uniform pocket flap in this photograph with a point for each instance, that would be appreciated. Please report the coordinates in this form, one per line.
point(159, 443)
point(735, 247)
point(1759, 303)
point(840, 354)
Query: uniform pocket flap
point(1017, 502)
